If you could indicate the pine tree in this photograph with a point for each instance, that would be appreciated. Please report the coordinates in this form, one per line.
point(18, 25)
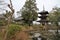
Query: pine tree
point(29, 11)
point(55, 18)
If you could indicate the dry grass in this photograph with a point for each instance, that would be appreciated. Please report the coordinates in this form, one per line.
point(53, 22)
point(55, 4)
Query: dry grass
point(23, 35)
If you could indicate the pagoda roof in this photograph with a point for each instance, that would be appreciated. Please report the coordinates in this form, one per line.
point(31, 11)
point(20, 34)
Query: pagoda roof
point(42, 16)
point(43, 21)
point(43, 12)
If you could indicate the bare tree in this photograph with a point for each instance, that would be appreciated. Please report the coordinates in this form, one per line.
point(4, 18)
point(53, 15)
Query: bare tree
point(9, 17)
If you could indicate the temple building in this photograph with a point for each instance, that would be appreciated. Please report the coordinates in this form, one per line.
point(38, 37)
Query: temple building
point(43, 17)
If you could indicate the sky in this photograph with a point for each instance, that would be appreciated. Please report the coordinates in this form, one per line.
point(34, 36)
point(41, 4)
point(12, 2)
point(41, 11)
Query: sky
point(48, 4)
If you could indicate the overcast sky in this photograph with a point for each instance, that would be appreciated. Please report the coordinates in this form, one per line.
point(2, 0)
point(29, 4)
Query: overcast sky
point(48, 4)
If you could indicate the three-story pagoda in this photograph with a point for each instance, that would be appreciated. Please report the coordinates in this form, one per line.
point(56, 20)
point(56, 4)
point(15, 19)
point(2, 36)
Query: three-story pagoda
point(43, 17)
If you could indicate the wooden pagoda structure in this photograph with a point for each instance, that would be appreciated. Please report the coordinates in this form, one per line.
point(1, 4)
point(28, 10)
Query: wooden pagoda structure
point(43, 17)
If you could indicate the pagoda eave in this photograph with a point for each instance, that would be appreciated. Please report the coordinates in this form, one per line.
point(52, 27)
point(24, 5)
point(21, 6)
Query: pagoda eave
point(42, 16)
point(42, 21)
point(46, 12)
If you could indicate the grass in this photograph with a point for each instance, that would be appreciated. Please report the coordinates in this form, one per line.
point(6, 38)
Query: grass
point(13, 28)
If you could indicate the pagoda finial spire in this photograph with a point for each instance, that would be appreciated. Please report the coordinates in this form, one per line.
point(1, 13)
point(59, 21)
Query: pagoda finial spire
point(43, 8)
